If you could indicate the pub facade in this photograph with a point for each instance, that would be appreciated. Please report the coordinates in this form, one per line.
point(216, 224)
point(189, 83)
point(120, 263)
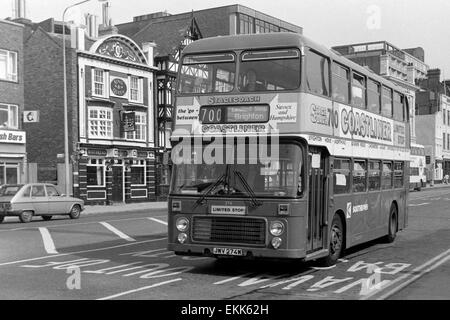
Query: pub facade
point(115, 158)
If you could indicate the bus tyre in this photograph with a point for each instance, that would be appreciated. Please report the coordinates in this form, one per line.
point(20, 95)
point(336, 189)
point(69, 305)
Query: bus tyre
point(336, 246)
point(2, 218)
point(392, 225)
point(26, 216)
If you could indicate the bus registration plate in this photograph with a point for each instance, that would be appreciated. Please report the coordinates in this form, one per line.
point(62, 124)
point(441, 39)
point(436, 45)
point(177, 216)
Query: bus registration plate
point(228, 251)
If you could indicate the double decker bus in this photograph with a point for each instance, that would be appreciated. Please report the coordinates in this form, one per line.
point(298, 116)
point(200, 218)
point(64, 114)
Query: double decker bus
point(417, 167)
point(281, 148)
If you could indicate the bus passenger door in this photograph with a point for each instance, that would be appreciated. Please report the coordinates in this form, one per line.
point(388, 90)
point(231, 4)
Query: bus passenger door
point(317, 204)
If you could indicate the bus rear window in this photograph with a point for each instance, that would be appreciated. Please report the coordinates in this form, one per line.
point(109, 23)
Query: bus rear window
point(207, 73)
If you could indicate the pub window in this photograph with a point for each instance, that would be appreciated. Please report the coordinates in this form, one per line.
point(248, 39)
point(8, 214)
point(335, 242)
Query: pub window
point(398, 174)
point(373, 96)
point(8, 65)
point(387, 175)
point(398, 107)
point(359, 91)
point(100, 122)
point(374, 175)
point(99, 83)
point(138, 173)
point(140, 127)
point(443, 140)
point(359, 176)
point(341, 176)
point(386, 106)
point(136, 89)
point(341, 83)
point(317, 73)
point(9, 116)
point(95, 173)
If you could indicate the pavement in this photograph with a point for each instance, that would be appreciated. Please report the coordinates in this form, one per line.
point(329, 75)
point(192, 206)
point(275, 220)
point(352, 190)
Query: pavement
point(125, 207)
point(142, 206)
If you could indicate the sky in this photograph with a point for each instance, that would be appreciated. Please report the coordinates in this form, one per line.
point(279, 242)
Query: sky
point(404, 23)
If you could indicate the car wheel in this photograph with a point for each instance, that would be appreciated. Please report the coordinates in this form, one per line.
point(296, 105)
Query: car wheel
point(46, 218)
point(336, 247)
point(26, 216)
point(392, 227)
point(2, 218)
point(75, 212)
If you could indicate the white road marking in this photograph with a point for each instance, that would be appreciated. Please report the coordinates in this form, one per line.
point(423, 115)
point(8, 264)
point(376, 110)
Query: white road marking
point(49, 245)
point(159, 221)
point(418, 204)
point(406, 283)
point(417, 271)
point(78, 252)
point(140, 289)
point(116, 231)
point(231, 279)
point(80, 223)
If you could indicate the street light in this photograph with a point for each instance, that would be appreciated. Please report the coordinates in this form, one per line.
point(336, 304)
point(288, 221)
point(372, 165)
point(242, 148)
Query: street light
point(66, 126)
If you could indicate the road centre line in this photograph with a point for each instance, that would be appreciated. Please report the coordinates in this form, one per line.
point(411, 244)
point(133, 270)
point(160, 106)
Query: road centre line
point(80, 223)
point(116, 231)
point(140, 289)
point(408, 282)
point(159, 221)
point(82, 251)
point(49, 245)
point(417, 271)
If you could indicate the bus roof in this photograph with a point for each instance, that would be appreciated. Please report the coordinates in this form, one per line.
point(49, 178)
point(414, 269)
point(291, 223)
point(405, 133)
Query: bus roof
point(277, 40)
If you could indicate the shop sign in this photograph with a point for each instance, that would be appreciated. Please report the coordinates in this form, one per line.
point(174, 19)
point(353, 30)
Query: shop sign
point(128, 121)
point(96, 152)
point(7, 136)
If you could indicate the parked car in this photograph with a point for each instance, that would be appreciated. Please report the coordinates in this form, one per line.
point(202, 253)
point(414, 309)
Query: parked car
point(37, 199)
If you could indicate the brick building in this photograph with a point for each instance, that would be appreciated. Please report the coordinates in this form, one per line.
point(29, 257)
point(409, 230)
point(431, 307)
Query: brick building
point(13, 157)
point(110, 112)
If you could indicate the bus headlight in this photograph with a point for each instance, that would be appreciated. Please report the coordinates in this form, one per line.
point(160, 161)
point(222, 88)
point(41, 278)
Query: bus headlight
point(276, 228)
point(182, 224)
point(276, 242)
point(182, 237)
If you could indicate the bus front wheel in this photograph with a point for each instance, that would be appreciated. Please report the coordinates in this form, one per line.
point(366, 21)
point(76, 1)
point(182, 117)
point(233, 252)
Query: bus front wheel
point(392, 227)
point(336, 246)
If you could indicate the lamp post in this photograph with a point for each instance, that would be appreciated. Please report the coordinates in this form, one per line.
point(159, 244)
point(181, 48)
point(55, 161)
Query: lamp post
point(66, 125)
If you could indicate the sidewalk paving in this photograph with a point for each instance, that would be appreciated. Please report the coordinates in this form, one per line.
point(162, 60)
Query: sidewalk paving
point(124, 207)
point(436, 186)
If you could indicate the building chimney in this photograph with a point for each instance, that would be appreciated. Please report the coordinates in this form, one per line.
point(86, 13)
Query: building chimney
point(91, 25)
point(105, 14)
point(107, 27)
point(77, 37)
point(148, 49)
point(19, 9)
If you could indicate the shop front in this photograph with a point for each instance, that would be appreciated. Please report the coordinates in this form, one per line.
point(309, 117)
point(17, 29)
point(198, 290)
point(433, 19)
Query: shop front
point(114, 175)
point(12, 157)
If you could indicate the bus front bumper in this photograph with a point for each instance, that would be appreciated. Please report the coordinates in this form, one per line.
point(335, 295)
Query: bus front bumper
point(247, 252)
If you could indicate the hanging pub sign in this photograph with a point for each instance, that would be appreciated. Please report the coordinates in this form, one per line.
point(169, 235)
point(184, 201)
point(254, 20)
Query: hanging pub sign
point(128, 121)
point(118, 87)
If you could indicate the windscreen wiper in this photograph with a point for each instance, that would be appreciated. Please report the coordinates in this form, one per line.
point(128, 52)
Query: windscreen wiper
point(251, 193)
point(223, 179)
